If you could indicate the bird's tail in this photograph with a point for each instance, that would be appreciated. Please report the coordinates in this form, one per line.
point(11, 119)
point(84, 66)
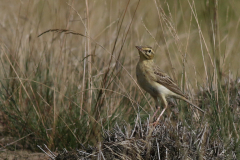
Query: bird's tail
point(186, 100)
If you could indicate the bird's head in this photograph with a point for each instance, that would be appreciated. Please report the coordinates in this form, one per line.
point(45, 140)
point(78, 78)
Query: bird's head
point(145, 52)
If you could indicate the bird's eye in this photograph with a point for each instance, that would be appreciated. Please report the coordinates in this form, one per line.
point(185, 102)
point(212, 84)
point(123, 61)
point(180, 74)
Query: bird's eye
point(149, 51)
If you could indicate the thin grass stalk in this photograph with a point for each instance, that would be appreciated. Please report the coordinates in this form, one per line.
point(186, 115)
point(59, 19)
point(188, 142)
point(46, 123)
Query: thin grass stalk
point(164, 36)
point(55, 117)
point(100, 100)
point(216, 51)
point(185, 55)
point(89, 59)
point(217, 40)
point(120, 51)
point(193, 9)
point(201, 38)
point(3, 50)
point(82, 101)
point(124, 40)
point(84, 71)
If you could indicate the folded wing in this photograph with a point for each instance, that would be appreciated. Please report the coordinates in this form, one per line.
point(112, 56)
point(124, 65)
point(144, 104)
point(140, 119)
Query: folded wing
point(163, 79)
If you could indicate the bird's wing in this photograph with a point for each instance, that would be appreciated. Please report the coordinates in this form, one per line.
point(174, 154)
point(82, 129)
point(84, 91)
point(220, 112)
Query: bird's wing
point(163, 79)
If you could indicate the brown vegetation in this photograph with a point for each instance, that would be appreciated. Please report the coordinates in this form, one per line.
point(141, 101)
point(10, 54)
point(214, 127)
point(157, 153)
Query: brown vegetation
point(65, 90)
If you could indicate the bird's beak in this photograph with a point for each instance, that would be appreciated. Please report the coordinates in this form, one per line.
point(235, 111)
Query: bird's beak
point(139, 48)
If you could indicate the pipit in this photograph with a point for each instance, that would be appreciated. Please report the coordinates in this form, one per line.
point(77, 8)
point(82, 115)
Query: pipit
point(157, 83)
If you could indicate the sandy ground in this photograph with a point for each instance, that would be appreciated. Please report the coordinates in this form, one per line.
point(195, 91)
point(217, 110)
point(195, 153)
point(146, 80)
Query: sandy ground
point(21, 155)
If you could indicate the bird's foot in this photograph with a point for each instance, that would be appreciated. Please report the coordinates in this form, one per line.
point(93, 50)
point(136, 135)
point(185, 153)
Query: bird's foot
point(157, 121)
point(154, 124)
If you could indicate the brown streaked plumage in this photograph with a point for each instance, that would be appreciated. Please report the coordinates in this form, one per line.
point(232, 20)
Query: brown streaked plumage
point(157, 83)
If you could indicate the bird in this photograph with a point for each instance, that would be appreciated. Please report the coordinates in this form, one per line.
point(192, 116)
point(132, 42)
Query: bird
point(157, 83)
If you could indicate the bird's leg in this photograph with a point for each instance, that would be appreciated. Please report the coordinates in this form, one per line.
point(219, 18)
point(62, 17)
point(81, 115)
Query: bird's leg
point(157, 106)
point(156, 111)
point(155, 123)
point(164, 101)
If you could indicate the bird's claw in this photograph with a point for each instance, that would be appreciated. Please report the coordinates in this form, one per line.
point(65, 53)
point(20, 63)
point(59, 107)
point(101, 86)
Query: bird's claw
point(154, 124)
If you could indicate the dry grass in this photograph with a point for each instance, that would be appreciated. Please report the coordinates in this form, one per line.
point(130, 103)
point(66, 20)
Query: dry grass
point(64, 90)
point(167, 141)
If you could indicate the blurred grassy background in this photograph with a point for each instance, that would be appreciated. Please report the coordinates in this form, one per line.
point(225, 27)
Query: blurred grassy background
point(63, 89)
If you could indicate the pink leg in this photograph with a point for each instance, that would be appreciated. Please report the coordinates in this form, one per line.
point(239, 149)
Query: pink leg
point(165, 104)
point(156, 112)
point(157, 106)
point(155, 123)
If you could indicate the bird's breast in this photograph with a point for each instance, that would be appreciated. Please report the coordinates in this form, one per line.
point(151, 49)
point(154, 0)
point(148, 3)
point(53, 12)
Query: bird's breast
point(144, 79)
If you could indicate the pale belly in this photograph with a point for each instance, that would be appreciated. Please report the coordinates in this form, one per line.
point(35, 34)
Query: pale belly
point(154, 88)
point(164, 91)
